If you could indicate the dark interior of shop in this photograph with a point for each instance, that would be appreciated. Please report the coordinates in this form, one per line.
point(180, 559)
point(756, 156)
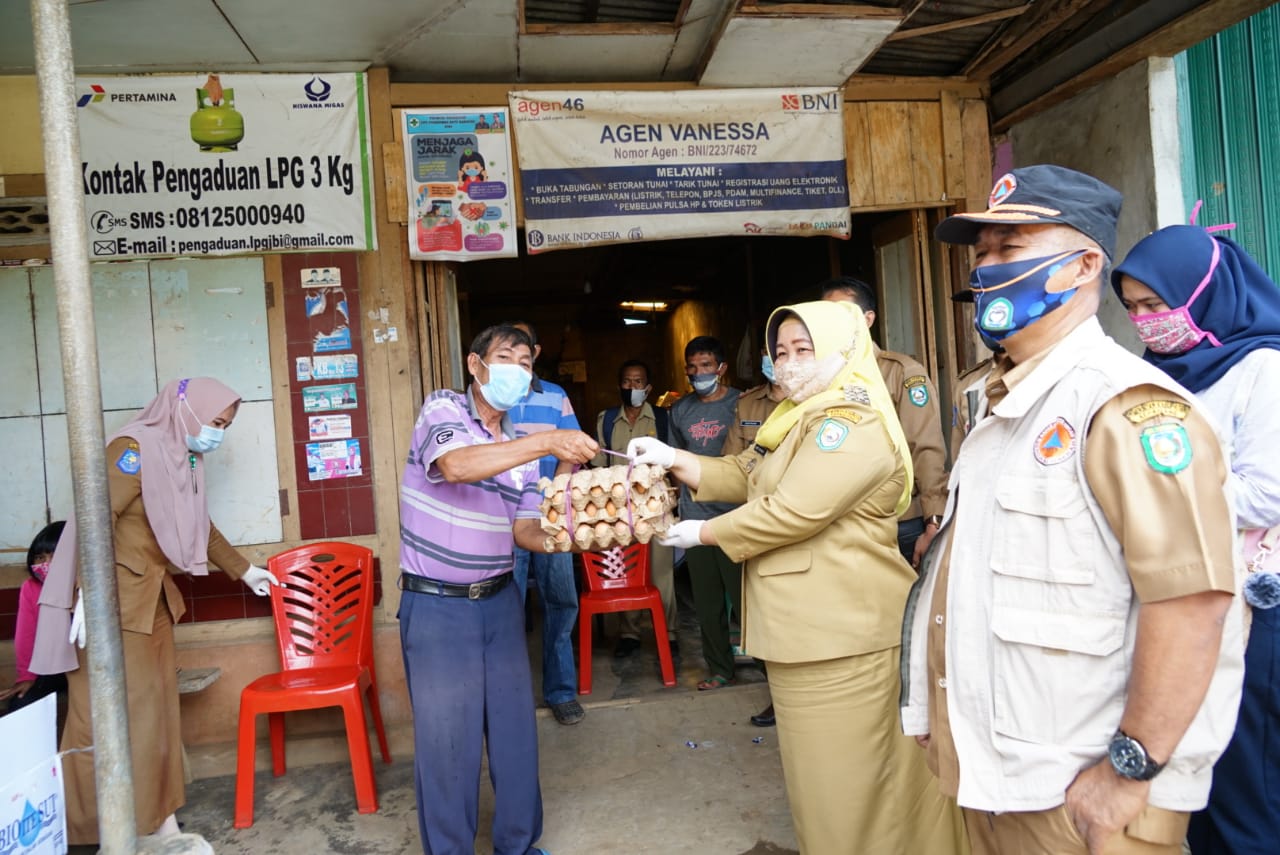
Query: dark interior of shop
point(722, 286)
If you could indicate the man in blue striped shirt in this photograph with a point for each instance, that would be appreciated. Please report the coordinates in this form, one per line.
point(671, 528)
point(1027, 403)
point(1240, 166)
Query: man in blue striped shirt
point(547, 407)
point(470, 494)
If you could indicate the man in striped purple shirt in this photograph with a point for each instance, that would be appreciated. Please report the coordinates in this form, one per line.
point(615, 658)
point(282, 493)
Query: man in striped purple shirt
point(469, 496)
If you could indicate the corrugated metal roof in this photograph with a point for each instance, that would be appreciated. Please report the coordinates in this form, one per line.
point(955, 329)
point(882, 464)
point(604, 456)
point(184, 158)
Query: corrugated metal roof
point(945, 53)
point(600, 11)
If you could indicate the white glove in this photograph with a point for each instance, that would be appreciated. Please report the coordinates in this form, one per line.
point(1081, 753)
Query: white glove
point(259, 580)
point(685, 534)
point(646, 449)
point(76, 635)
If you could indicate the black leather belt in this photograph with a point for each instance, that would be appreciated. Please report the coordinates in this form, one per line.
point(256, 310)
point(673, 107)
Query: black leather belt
point(474, 591)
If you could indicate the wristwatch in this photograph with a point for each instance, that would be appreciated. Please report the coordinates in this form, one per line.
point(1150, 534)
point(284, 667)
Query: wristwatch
point(1130, 758)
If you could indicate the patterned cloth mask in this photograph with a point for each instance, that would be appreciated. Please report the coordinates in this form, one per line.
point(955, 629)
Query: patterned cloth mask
point(40, 570)
point(1175, 331)
point(1010, 297)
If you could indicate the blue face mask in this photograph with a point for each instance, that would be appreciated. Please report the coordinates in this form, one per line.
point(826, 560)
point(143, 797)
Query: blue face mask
point(507, 386)
point(704, 384)
point(766, 367)
point(208, 440)
point(1010, 297)
point(471, 170)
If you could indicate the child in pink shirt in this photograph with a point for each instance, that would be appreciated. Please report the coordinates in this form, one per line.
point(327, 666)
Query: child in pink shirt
point(30, 687)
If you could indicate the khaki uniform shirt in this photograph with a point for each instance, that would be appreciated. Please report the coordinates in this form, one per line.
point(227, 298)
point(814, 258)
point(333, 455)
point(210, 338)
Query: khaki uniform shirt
point(916, 400)
point(823, 578)
point(1184, 547)
point(754, 406)
point(623, 432)
point(143, 573)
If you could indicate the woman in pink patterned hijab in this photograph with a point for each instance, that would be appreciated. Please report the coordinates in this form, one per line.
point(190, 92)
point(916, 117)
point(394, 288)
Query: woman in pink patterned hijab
point(160, 528)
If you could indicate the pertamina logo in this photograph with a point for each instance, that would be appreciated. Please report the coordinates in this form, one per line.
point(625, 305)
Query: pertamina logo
point(95, 96)
point(98, 93)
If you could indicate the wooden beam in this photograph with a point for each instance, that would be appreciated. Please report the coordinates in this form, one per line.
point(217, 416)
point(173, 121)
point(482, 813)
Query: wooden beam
point(1191, 28)
point(859, 87)
point(1016, 38)
point(959, 24)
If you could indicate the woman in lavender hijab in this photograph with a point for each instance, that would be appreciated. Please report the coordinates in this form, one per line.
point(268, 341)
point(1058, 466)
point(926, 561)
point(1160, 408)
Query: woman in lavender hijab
point(160, 528)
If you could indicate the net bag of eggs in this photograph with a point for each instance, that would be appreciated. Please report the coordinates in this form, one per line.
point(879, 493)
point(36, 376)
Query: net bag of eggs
point(595, 509)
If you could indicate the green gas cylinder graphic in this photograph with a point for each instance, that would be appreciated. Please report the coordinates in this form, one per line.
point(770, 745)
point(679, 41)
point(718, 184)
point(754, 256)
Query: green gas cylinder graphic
point(216, 125)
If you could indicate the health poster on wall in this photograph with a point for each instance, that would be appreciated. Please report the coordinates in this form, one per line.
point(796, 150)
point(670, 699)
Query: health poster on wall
point(613, 167)
point(458, 176)
point(225, 163)
point(342, 366)
point(329, 427)
point(340, 396)
point(340, 459)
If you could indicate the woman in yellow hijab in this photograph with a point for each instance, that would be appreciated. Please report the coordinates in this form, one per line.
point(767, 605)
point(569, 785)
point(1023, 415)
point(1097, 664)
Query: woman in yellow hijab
point(825, 586)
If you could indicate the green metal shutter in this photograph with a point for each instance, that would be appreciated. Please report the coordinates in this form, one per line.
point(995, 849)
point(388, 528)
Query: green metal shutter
point(1229, 116)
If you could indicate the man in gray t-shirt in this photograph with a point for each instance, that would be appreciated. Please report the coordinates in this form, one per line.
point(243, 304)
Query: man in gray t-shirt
point(700, 423)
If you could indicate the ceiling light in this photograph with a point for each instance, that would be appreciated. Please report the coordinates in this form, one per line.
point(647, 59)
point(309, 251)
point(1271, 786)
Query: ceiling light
point(642, 306)
point(631, 322)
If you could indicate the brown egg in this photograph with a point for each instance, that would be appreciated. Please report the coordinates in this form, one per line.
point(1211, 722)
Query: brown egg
point(590, 511)
point(558, 499)
point(597, 490)
point(618, 491)
point(553, 515)
point(610, 509)
point(602, 530)
point(562, 536)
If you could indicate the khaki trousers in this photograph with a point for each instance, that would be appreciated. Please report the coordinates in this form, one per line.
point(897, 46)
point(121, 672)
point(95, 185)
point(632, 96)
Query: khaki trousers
point(1051, 832)
point(662, 576)
point(155, 735)
point(856, 784)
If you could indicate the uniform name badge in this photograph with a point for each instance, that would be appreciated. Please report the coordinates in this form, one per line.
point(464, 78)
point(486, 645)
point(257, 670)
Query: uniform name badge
point(831, 435)
point(1167, 447)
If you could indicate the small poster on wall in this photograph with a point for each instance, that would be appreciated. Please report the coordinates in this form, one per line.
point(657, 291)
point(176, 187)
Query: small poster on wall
point(320, 277)
point(458, 176)
point(345, 366)
point(340, 459)
point(340, 396)
point(329, 427)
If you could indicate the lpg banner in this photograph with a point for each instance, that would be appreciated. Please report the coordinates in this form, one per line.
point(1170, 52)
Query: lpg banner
point(222, 164)
point(608, 167)
point(458, 168)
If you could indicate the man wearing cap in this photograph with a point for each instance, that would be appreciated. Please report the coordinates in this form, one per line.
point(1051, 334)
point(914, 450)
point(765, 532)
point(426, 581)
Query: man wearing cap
point(1075, 649)
point(916, 401)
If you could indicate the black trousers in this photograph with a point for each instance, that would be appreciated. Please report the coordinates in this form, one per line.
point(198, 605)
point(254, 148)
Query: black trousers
point(908, 532)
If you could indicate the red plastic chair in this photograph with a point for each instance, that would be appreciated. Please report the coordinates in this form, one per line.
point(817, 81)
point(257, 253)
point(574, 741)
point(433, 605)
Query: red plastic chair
point(323, 609)
point(618, 581)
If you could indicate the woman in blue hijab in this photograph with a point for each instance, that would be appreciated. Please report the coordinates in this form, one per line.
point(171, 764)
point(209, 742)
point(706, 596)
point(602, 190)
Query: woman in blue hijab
point(1210, 318)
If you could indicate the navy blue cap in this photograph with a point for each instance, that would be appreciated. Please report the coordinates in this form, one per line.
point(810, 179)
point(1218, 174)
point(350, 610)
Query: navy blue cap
point(1043, 194)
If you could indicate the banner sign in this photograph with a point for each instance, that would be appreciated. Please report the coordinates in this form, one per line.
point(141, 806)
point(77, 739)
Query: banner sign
point(609, 167)
point(225, 164)
point(458, 174)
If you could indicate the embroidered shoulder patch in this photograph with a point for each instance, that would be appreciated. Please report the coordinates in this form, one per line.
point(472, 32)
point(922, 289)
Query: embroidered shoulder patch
point(1167, 447)
point(918, 395)
point(443, 437)
point(1055, 443)
point(846, 414)
point(831, 435)
point(916, 380)
point(130, 461)
point(1155, 409)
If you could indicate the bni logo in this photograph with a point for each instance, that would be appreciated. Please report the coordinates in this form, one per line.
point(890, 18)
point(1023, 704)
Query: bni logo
point(791, 102)
point(317, 89)
point(95, 96)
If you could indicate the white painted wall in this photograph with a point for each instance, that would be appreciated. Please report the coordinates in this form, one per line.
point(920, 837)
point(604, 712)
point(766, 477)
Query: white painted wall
point(1125, 132)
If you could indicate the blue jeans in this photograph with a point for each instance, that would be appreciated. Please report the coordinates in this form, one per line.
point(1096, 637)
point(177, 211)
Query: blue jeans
point(467, 669)
point(559, 595)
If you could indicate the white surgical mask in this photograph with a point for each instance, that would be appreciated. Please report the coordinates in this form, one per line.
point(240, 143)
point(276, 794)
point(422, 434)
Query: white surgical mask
point(208, 440)
point(507, 386)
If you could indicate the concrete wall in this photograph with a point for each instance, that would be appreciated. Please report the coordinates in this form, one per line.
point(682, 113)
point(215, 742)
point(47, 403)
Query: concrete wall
point(1125, 132)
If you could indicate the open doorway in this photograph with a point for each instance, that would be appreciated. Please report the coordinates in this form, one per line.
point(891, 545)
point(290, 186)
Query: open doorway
point(725, 287)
